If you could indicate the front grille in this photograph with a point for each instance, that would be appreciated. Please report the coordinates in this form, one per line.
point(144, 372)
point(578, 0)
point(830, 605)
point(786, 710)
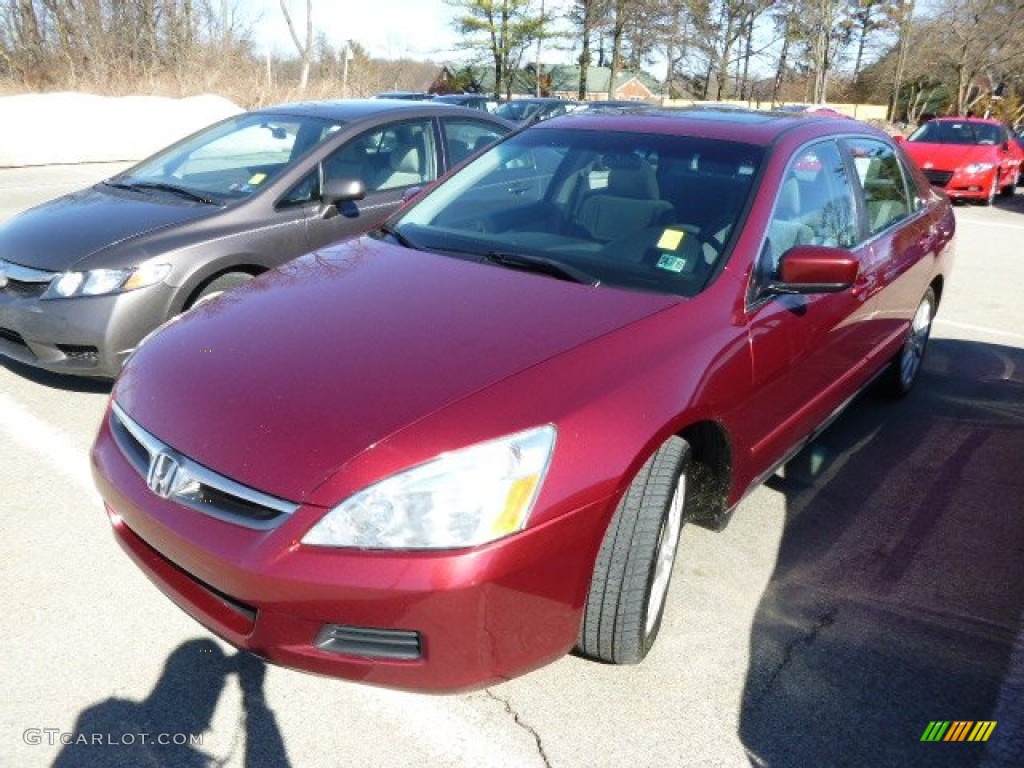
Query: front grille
point(22, 290)
point(177, 478)
point(23, 282)
point(12, 336)
point(398, 644)
point(938, 178)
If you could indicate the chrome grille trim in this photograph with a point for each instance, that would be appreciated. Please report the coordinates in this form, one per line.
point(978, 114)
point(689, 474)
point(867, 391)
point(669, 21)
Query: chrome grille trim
point(215, 495)
point(25, 274)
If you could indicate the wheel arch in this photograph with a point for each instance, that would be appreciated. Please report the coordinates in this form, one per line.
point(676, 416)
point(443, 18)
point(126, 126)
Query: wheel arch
point(710, 474)
point(198, 281)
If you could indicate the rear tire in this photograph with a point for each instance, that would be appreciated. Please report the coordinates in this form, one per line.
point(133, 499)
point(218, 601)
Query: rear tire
point(627, 594)
point(906, 365)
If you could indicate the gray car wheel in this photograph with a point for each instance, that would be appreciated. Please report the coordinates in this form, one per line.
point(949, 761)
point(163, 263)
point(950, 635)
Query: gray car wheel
point(627, 594)
point(216, 287)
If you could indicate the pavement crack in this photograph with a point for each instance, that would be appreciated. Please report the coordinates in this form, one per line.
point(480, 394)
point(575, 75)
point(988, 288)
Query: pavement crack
point(807, 639)
point(522, 724)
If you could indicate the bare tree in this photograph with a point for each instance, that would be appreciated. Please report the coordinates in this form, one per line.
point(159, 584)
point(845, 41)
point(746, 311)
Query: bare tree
point(304, 47)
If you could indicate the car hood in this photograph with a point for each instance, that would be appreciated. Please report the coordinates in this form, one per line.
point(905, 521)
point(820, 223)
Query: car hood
point(280, 383)
point(948, 156)
point(60, 234)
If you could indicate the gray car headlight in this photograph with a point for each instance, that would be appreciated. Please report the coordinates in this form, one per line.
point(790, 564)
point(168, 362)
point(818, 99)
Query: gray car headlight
point(99, 282)
point(459, 499)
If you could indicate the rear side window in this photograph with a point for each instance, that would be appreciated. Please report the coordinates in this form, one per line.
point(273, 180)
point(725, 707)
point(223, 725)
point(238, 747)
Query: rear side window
point(881, 176)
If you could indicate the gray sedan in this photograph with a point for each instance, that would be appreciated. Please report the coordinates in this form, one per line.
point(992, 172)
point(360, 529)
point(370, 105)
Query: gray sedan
point(84, 278)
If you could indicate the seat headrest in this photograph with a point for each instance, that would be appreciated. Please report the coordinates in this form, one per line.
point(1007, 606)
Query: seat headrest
point(631, 176)
point(406, 161)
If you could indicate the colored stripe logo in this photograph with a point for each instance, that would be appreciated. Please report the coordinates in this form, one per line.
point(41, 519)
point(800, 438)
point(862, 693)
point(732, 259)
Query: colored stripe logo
point(958, 730)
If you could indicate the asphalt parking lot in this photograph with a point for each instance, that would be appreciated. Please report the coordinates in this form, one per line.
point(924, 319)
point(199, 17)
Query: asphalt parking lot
point(872, 587)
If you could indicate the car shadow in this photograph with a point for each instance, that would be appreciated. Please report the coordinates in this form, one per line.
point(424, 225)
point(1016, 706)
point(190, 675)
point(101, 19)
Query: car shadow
point(168, 727)
point(896, 597)
point(57, 380)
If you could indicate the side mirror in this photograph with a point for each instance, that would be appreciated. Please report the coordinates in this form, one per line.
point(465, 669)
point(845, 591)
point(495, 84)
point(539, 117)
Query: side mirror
point(815, 269)
point(410, 193)
point(899, 138)
point(342, 191)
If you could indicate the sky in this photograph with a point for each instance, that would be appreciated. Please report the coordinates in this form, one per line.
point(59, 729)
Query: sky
point(417, 29)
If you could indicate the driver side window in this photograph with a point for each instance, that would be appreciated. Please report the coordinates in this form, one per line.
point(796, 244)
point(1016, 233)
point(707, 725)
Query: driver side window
point(815, 206)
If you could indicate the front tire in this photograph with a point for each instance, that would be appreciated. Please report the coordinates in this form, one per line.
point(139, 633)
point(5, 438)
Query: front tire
point(627, 594)
point(991, 197)
point(1011, 187)
point(906, 365)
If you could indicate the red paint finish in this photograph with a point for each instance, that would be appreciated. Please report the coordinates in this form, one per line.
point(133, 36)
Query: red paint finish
point(366, 359)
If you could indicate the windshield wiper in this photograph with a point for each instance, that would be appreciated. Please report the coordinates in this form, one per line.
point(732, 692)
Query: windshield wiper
point(541, 265)
point(179, 191)
point(397, 236)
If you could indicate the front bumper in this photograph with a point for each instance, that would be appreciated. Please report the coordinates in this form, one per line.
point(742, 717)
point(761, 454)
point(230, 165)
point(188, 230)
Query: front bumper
point(966, 186)
point(86, 336)
point(455, 620)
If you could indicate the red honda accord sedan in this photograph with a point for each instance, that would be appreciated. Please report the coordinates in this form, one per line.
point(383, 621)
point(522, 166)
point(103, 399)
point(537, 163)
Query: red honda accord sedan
point(456, 448)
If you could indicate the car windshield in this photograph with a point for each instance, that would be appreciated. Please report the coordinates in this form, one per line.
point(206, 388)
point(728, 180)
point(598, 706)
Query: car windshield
point(232, 160)
point(955, 132)
point(642, 211)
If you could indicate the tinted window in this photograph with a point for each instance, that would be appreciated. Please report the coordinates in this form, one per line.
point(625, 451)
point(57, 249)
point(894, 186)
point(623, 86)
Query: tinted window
point(882, 178)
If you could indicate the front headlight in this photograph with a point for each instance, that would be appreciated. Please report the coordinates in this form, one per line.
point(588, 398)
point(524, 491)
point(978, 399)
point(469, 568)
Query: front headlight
point(460, 499)
point(975, 168)
point(99, 282)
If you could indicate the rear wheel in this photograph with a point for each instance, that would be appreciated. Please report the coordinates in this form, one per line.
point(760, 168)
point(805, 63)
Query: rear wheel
point(906, 365)
point(627, 594)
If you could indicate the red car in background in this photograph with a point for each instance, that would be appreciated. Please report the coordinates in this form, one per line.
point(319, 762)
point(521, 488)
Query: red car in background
point(968, 158)
point(447, 452)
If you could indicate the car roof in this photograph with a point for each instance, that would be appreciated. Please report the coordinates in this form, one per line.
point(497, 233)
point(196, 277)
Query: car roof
point(729, 124)
point(348, 110)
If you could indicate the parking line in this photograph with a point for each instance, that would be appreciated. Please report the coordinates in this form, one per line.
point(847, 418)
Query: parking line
point(52, 445)
point(980, 329)
point(987, 223)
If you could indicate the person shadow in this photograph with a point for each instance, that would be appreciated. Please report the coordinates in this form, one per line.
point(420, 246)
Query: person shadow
point(896, 596)
point(167, 728)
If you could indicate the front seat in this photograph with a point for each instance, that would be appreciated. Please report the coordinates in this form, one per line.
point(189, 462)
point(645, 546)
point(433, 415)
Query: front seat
point(630, 201)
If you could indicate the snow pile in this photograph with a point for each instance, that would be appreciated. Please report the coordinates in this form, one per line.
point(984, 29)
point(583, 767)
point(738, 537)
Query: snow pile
point(49, 128)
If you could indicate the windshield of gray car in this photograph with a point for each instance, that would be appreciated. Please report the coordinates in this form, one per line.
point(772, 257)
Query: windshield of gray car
point(634, 210)
point(231, 160)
